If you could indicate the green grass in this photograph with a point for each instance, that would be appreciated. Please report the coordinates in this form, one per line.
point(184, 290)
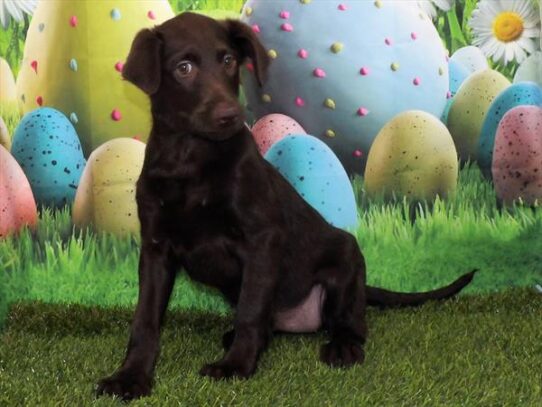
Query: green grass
point(473, 351)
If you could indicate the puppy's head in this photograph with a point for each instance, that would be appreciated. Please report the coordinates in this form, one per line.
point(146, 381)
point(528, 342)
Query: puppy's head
point(189, 66)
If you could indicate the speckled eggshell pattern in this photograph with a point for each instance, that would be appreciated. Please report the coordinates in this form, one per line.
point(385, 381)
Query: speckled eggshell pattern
point(272, 128)
point(471, 57)
point(518, 94)
point(517, 158)
point(5, 139)
point(469, 108)
point(105, 199)
point(414, 156)
point(17, 205)
point(316, 173)
point(344, 69)
point(48, 149)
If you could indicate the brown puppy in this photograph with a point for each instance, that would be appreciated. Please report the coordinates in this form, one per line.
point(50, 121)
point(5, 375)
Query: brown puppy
point(209, 203)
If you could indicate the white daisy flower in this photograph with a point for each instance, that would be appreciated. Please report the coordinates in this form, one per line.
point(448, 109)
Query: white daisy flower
point(15, 9)
point(430, 6)
point(506, 30)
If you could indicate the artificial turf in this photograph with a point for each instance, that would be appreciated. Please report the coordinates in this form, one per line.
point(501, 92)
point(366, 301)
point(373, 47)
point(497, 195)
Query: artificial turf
point(482, 350)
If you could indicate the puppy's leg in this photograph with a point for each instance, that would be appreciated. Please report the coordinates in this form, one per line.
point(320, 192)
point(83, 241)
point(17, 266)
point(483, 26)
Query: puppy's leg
point(344, 307)
point(253, 323)
point(227, 339)
point(156, 279)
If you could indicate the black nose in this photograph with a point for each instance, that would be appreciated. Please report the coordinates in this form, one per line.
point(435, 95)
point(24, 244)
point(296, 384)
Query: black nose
point(226, 115)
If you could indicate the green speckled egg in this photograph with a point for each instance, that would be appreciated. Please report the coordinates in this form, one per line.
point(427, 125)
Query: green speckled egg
point(105, 198)
point(413, 155)
point(469, 109)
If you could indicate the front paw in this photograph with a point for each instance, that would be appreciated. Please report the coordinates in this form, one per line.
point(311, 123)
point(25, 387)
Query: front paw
point(342, 353)
point(227, 340)
point(225, 369)
point(125, 384)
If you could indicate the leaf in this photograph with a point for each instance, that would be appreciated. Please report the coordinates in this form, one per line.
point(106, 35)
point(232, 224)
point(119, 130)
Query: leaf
point(456, 34)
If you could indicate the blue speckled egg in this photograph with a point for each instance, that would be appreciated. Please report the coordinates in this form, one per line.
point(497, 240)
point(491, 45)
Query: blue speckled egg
point(518, 94)
point(458, 74)
point(318, 176)
point(48, 149)
point(344, 69)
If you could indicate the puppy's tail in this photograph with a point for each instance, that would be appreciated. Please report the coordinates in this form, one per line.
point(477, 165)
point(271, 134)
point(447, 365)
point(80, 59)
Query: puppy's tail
point(390, 299)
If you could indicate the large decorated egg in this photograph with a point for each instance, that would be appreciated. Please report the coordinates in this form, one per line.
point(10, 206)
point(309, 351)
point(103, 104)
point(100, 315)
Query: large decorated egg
point(318, 176)
point(343, 69)
point(517, 159)
point(272, 128)
point(522, 93)
point(105, 199)
point(73, 58)
point(469, 109)
point(47, 147)
point(17, 205)
point(413, 156)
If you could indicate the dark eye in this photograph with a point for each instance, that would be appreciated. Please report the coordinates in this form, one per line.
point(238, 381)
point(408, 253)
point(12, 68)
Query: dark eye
point(184, 68)
point(229, 60)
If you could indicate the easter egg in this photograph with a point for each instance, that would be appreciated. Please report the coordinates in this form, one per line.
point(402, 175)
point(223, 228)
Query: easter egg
point(8, 91)
point(517, 159)
point(5, 139)
point(414, 156)
point(17, 205)
point(469, 108)
point(47, 147)
point(73, 59)
point(105, 198)
point(458, 74)
point(343, 70)
point(522, 93)
point(273, 127)
point(316, 173)
point(530, 69)
point(472, 58)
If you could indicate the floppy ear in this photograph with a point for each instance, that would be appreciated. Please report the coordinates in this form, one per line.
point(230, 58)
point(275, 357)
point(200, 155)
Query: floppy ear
point(243, 38)
point(143, 67)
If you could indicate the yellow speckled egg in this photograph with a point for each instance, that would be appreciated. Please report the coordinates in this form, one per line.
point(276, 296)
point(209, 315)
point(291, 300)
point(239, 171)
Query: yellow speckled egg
point(105, 198)
point(469, 109)
point(413, 155)
point(8, 90)
point(5, 139)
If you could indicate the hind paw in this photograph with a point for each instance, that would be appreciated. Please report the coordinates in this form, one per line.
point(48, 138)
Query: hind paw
point(342, 354)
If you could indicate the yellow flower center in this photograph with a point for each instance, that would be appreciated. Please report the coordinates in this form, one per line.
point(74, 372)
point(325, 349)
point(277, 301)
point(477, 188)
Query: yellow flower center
point(508, 26)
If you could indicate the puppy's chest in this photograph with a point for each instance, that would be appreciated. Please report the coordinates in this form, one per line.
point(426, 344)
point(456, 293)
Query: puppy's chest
point(188, 212)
